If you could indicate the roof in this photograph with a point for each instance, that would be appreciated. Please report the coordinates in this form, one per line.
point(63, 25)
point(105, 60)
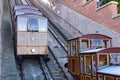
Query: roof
point(93, 36)
point(73, 38)
point(24, 6)
point(31, 16)
point(111, 70)
point(103, 50)
point(111, 50)
point(92, 50)
point(23, 11)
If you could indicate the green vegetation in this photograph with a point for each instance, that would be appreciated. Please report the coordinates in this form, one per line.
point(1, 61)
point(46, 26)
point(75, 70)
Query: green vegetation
point(106, 1)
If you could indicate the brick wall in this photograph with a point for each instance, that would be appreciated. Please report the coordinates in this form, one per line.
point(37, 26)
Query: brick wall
point(78, 24)
point(102, 14)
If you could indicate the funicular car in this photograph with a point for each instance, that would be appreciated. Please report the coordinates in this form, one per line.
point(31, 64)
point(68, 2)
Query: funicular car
point(111, 69)
point(31, 35)
point(30, 32)
point(100, 64)
point(82, 55)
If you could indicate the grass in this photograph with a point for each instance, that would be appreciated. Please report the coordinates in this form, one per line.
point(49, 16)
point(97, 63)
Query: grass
point(106, 1)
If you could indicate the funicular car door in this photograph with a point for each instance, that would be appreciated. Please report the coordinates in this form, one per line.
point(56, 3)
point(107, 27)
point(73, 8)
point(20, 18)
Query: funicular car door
point(32, 36)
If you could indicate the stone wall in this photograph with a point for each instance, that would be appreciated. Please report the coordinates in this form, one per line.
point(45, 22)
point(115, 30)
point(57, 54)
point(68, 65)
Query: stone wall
point(78, 24)
point(105, 14)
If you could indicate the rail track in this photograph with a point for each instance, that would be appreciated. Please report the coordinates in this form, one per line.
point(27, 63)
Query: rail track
point(38, 69)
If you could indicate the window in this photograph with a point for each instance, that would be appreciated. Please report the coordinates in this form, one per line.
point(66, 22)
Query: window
point(69, 50)
point(103, 60)
point(93, 65)
point(22, 24)
point(108, 78)
point(106, 43)
point(42, 25)
point(77, 47)
point(32, 25)
point(115, 58)
point(87, 64)
point(73, 48)
point(18, 13)
point(43, 39)
point(81, 64)
point(96, 43)
point(84, 44)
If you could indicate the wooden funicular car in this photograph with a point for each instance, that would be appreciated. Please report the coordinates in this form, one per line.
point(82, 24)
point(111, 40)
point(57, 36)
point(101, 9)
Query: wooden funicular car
point(100, 64)
point(30, 32)
point(110, 69)
point(89, 55)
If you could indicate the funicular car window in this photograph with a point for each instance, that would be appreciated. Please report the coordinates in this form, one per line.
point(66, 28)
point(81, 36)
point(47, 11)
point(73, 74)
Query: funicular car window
point(76, 47)
point(93, 65)
point(96, 43)
point(115, 58)
point(42, 25)
point(84, 44)
point(43, 39)
point(22, 24)
point(103, 60)
point(18, 13)
point(81, 64)
point(87, 64)
point(73, 50)
point(69, 50)
point(106, 43)
point(32, 25)
point(108, 78)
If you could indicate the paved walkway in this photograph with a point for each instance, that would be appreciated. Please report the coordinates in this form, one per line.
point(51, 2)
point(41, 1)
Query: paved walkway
point(0, 38)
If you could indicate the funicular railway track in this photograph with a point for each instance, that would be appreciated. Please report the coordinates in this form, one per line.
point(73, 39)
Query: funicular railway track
point(38, 69)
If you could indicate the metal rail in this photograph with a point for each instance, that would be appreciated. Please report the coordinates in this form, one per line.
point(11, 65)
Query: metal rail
point(40, 63)
point(58, 62)
point(60, 42)
point(58, 39)
point(31, 68)
point(45, 69)
point(21, 72)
